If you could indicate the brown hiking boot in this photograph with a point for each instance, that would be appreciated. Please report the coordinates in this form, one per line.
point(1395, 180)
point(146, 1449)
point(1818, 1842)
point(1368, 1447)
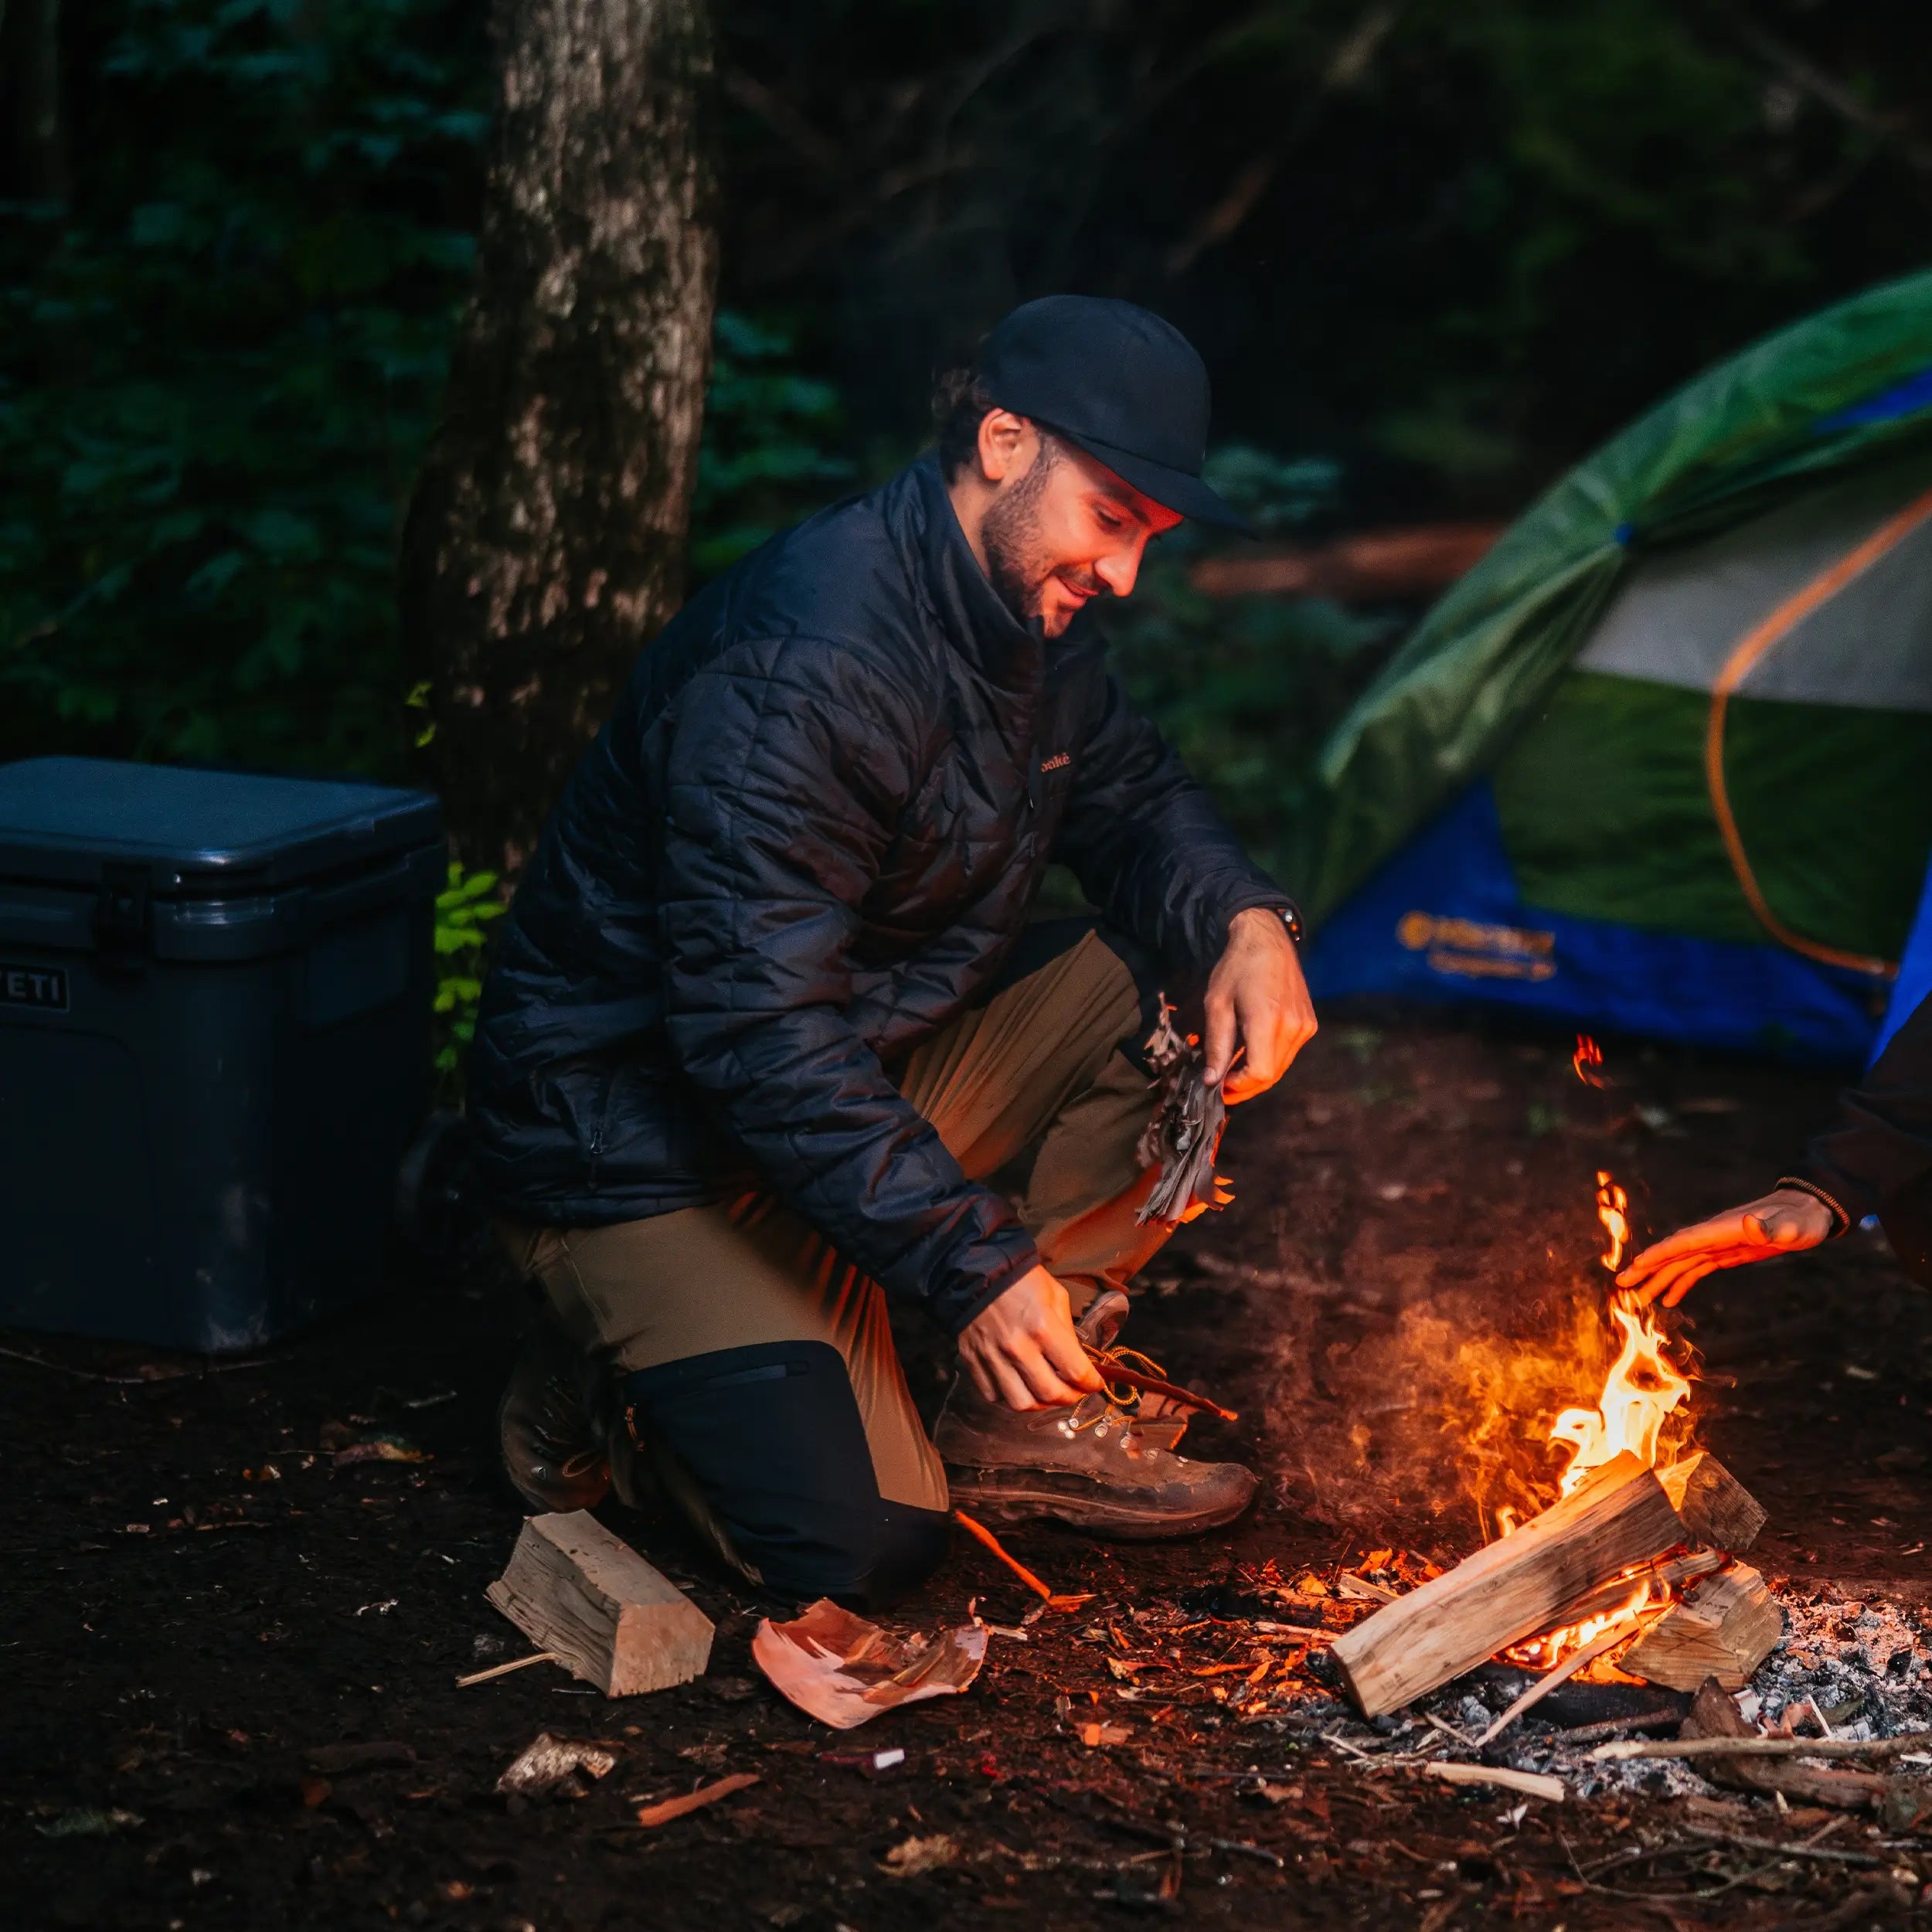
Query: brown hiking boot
point(548, 1423)
point(1093, 1467)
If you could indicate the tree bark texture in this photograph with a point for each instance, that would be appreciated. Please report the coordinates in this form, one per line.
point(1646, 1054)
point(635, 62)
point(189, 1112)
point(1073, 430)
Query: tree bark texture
point(546, 543)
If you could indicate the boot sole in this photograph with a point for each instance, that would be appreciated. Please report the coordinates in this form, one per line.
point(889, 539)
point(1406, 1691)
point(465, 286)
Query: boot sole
point(1000, 1499)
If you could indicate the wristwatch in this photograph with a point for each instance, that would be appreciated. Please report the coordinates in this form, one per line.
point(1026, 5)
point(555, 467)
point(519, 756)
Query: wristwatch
point(1291, 918)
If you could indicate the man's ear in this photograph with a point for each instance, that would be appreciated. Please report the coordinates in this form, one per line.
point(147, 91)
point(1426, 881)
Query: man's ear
point(1005, 445)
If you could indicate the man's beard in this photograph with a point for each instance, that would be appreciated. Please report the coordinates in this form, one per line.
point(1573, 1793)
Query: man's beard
point(1016, 559)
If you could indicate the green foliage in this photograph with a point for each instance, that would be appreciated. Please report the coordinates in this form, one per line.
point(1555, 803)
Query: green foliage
point(465, 908)
point(770, 453)
point(1247, 687)
point(217, 372)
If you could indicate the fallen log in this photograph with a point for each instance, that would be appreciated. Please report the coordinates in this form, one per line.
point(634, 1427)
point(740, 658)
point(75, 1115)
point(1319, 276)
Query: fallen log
point(1509, 1590)
point(599, 1609)
point(1714, 1507)
point(1723, 1629)
point(1713, 1716)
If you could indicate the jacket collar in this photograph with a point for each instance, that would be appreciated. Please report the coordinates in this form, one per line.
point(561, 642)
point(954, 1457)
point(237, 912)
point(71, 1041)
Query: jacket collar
point(969, 612)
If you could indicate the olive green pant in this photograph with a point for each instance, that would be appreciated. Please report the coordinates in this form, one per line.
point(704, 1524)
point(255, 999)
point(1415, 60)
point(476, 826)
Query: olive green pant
point(1032, 1090)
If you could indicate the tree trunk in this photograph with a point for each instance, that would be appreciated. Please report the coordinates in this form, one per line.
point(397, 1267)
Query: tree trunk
point(546, 543)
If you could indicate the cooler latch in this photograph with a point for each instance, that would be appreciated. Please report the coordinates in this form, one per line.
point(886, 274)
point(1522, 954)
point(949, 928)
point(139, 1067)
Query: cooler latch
point(121, 916)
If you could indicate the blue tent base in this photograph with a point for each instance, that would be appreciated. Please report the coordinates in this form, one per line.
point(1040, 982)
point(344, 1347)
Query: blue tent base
point(1914, 984)
point(1443, 921)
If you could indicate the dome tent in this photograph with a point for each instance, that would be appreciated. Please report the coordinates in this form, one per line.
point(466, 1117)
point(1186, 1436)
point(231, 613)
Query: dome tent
point(1662, 761)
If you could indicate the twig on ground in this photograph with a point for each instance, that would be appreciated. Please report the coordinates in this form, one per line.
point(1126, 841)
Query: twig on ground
point(1758, 1747)
point(1530, 1784)
point(1662, 1900)
point(1251, 1851)
point(1803, 1848)
point(504, 1670)
point(1610, 1727)
point(670, 1808)
point(1561, 1675)
point(980, 1534)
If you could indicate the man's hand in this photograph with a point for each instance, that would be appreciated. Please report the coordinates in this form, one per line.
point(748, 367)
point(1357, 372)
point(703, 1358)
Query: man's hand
point(1780, 1223)
point(1257, 999)
point(1021, 1349)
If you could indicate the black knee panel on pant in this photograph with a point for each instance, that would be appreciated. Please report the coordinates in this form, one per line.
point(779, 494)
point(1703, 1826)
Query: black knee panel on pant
point(772, 1435)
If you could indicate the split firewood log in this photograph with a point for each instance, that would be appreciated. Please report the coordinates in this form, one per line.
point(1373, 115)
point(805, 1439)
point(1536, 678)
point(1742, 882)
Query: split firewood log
point(1510, 1588)
point(590, 1600)
point(1724, 1627)
point(1715, 1508)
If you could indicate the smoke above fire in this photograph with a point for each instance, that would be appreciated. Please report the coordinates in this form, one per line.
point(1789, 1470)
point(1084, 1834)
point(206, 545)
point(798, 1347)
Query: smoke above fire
point(1485, 1399)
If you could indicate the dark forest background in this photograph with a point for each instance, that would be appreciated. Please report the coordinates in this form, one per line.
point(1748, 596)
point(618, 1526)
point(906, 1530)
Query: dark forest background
point(1433, 252)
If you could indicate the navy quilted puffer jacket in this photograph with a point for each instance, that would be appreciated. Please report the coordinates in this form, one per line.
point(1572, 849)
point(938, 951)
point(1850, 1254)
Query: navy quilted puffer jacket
point(808, 838)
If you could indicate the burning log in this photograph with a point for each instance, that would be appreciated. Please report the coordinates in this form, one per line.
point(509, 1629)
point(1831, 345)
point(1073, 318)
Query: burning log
point(1510, 1590)
point(1613, 1595)
point(1566, 1563)
point(1716, 1509)
point(599, 1609)
point(1723, 1631)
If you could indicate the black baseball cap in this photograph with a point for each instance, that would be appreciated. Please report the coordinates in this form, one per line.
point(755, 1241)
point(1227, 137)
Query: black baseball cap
point(1126, 386)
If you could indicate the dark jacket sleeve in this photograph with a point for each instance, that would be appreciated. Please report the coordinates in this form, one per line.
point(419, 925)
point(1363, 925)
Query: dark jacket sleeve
point(788, 765)
point(1148, 845)
point(1881, 1142)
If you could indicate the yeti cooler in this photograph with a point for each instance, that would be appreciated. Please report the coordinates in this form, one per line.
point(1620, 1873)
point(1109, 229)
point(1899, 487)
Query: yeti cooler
point(215, 994)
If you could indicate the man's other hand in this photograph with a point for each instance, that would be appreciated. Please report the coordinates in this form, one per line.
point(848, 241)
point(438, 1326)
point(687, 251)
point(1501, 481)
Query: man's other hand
point(1780, 1223)
point(1256, 1000)
point(1021, 1349)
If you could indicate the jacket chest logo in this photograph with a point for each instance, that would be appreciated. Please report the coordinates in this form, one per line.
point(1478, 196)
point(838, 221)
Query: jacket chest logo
point(1059, 762)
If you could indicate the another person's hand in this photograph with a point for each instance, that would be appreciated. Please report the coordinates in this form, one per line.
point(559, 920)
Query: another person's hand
point(1256, 1000)
point(1781, 1222)
point(1021, 1348)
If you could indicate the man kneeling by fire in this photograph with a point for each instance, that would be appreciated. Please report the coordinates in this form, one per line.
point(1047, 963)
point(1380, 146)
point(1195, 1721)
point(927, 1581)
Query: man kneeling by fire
point(768, 1037)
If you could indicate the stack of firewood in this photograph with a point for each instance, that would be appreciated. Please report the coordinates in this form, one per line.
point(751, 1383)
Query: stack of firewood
point(1589, 1553)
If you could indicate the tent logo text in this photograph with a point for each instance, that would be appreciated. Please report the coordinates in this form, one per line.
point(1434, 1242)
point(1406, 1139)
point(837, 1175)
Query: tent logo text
point(1470, 950)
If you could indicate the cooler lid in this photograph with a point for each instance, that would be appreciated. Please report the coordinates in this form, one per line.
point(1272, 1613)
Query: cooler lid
point(66, 819)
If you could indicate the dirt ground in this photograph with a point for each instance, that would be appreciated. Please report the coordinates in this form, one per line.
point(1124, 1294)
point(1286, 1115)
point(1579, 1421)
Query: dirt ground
point(198, 1595)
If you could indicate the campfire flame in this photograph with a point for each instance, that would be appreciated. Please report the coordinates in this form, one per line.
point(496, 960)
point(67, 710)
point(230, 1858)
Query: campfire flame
point(1612, 1209)
point(1642, 1388)
point(1546, 1651)
point(1588, 1060)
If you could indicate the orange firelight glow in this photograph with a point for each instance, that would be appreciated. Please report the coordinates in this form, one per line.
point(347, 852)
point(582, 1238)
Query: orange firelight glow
point(1588, 1060)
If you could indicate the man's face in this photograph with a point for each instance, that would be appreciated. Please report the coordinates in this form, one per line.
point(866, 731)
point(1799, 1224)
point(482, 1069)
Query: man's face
point(1063, 530)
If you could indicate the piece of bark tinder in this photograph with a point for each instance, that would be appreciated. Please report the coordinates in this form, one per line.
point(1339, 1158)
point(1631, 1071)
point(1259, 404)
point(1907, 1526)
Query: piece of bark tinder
point(1723, 1628)
point(1714, 1714)
point(1509, 1590)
